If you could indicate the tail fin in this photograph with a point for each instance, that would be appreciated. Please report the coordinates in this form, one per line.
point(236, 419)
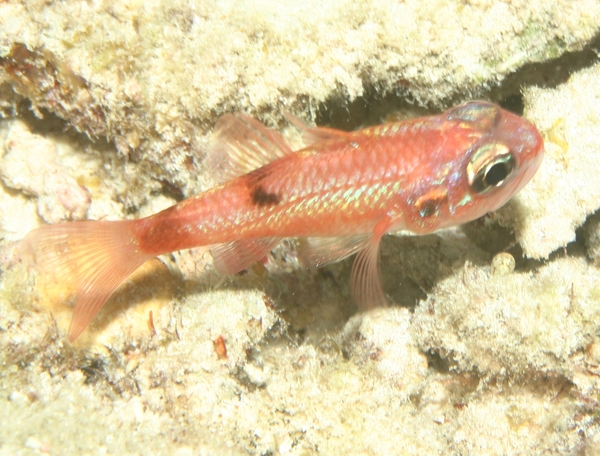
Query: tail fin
point(91, 258)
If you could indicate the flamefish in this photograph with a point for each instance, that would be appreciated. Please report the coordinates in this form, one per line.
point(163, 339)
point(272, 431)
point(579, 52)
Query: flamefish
point(342, 192)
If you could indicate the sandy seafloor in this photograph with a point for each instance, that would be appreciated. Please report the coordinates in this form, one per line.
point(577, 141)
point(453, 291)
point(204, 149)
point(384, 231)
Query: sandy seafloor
point(107, 108)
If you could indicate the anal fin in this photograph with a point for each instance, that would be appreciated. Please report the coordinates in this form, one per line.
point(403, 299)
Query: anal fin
point(322, 251)
point(233, 257)
point(365, 280)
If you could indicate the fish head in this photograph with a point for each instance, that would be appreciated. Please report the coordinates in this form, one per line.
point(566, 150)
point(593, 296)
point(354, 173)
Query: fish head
point(490, 154)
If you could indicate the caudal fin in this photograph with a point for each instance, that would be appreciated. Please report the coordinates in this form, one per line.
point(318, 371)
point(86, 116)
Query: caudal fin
point(91, 258)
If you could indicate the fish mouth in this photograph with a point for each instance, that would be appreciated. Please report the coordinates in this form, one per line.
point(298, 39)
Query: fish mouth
point(531, 167)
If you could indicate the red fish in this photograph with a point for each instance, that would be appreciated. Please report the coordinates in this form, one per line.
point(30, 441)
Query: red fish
point(343, 192)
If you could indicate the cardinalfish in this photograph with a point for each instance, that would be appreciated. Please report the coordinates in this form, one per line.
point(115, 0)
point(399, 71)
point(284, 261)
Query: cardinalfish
point(342, 192)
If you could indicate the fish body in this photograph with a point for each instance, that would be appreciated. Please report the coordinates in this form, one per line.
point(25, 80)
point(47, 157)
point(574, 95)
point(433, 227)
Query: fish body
point(343, 192)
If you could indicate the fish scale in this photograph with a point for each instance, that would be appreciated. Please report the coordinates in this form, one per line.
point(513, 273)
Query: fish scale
point(343, 192)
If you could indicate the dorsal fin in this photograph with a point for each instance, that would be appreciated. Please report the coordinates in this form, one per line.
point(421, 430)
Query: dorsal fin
point(313, 135)
point(241, 144)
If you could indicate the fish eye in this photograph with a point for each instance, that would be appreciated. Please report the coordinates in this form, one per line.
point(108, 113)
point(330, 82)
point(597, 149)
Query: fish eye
point(489, 167)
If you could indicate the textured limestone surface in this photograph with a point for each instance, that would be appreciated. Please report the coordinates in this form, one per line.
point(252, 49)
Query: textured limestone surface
point(29, 165)
point(106, 109)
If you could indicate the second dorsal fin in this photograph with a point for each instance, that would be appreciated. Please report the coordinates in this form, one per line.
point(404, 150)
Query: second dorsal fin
point(313, 135)
point(241, 144)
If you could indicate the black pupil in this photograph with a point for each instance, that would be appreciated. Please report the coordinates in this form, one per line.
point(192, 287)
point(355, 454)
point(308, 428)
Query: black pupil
point(496, 174)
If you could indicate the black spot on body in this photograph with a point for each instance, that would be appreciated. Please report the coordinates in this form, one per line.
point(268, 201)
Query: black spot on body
point(261, 198)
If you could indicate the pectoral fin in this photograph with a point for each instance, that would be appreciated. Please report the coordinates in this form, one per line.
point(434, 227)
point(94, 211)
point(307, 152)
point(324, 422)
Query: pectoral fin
point(364, 279)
